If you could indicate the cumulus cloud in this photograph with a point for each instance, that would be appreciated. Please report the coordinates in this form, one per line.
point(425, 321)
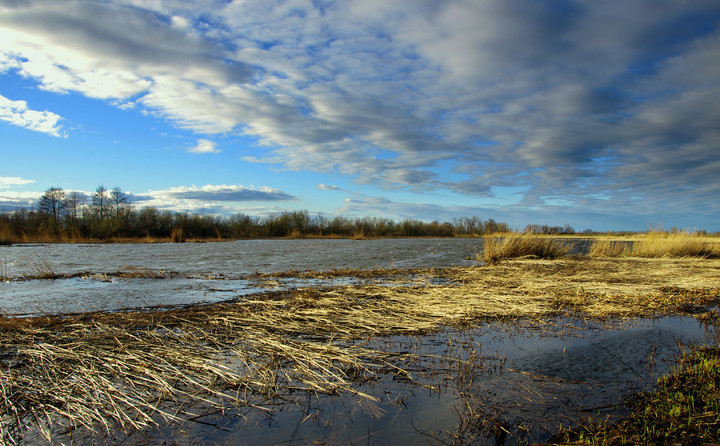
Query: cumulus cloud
point(17, 113)
point(204, 146)
point(327, 187)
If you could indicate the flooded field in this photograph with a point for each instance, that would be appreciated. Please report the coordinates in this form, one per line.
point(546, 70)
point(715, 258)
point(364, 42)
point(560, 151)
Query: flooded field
point(398, 342)
point(193, 272)
point(525, 381)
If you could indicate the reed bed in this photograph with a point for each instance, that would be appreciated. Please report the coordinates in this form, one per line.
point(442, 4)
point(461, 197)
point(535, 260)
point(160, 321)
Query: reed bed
point(658, 244)
point(108, 371)
point(518, 245)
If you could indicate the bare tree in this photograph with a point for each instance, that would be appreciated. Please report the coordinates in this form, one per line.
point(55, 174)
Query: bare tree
point(119, 201)
point(101, 202)
point(75, 205)
point(53, 202)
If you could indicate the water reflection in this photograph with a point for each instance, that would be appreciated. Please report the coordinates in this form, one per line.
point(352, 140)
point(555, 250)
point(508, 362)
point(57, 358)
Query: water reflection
point(527, 379)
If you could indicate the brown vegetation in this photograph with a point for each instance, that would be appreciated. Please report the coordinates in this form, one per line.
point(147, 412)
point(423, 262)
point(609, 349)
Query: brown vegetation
point(516, 245)
point(658, 244)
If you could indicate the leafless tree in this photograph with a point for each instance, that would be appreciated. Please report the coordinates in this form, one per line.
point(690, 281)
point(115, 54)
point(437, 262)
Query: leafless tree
point(101, 202)
point(53, 202)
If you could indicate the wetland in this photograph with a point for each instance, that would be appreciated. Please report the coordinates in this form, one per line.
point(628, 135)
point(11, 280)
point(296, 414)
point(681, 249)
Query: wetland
point(335, 341)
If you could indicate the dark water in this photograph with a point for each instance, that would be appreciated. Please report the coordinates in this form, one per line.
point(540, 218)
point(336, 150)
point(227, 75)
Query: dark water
point(530, 379)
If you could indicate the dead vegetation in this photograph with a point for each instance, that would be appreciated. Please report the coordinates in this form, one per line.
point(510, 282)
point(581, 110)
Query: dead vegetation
point(658, 244)
point(518, 245)
point(108, 371)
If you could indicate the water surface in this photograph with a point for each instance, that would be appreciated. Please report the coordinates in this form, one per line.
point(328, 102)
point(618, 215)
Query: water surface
point(195, 267)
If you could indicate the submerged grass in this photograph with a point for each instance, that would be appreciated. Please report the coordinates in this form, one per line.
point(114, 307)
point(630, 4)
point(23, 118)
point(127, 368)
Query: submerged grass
point(110, 371)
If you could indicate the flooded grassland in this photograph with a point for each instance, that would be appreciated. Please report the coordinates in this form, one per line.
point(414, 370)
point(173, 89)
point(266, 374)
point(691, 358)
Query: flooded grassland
point(465, 354)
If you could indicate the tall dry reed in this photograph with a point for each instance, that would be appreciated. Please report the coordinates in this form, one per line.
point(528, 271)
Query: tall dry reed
point(517, 245)
point(609, 248)
point(658, 244)
point(683, 244)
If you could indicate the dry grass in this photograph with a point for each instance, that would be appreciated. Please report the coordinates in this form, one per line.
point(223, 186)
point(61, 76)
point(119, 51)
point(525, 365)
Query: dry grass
point(128, 370)
point(658, 244)
point(517, 245)
point(609, 248)
point(675, 245)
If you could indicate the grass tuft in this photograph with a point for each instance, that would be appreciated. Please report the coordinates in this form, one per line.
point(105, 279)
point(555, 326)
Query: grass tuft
point(177, 235)
point(657, 245)
point(515, 245)
point(609, 248)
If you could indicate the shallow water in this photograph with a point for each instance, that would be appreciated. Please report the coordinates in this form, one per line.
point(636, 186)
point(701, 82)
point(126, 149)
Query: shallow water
point(195, 265)
point(529, 378)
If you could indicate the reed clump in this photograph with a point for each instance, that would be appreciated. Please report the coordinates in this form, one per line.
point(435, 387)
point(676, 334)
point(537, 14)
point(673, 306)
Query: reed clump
point(609, 248)
point(517, 245)
point(6, 235)
point(177, 235)
point(675, 245)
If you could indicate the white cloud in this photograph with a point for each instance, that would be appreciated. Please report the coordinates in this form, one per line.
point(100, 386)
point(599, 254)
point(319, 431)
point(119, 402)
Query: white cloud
point(6, 182)
point(220, 199)
point(204, 146)
point(17, 113)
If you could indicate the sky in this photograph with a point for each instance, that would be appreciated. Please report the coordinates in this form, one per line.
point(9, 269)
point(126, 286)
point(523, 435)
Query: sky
point(600, 115)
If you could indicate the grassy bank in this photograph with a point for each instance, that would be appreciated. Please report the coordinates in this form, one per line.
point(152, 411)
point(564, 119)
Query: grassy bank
point(684, 409)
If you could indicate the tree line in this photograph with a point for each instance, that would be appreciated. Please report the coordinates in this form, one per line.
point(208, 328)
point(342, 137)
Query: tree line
point(108, 214)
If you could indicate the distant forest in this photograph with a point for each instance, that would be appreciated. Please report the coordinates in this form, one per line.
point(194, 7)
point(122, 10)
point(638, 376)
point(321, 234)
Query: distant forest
point(108, 214)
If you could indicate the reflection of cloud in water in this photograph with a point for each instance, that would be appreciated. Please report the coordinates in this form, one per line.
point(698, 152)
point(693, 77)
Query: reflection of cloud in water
point(526, 379)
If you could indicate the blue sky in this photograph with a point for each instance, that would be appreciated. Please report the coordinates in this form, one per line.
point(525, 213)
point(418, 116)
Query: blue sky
point(601, 115)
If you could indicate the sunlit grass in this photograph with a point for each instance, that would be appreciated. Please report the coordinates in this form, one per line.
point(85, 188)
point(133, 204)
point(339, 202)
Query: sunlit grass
point(517, 245)
point(674, 245)
point(658, 244)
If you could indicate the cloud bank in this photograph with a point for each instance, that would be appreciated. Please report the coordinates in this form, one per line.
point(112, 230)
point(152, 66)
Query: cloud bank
point(214, 199)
